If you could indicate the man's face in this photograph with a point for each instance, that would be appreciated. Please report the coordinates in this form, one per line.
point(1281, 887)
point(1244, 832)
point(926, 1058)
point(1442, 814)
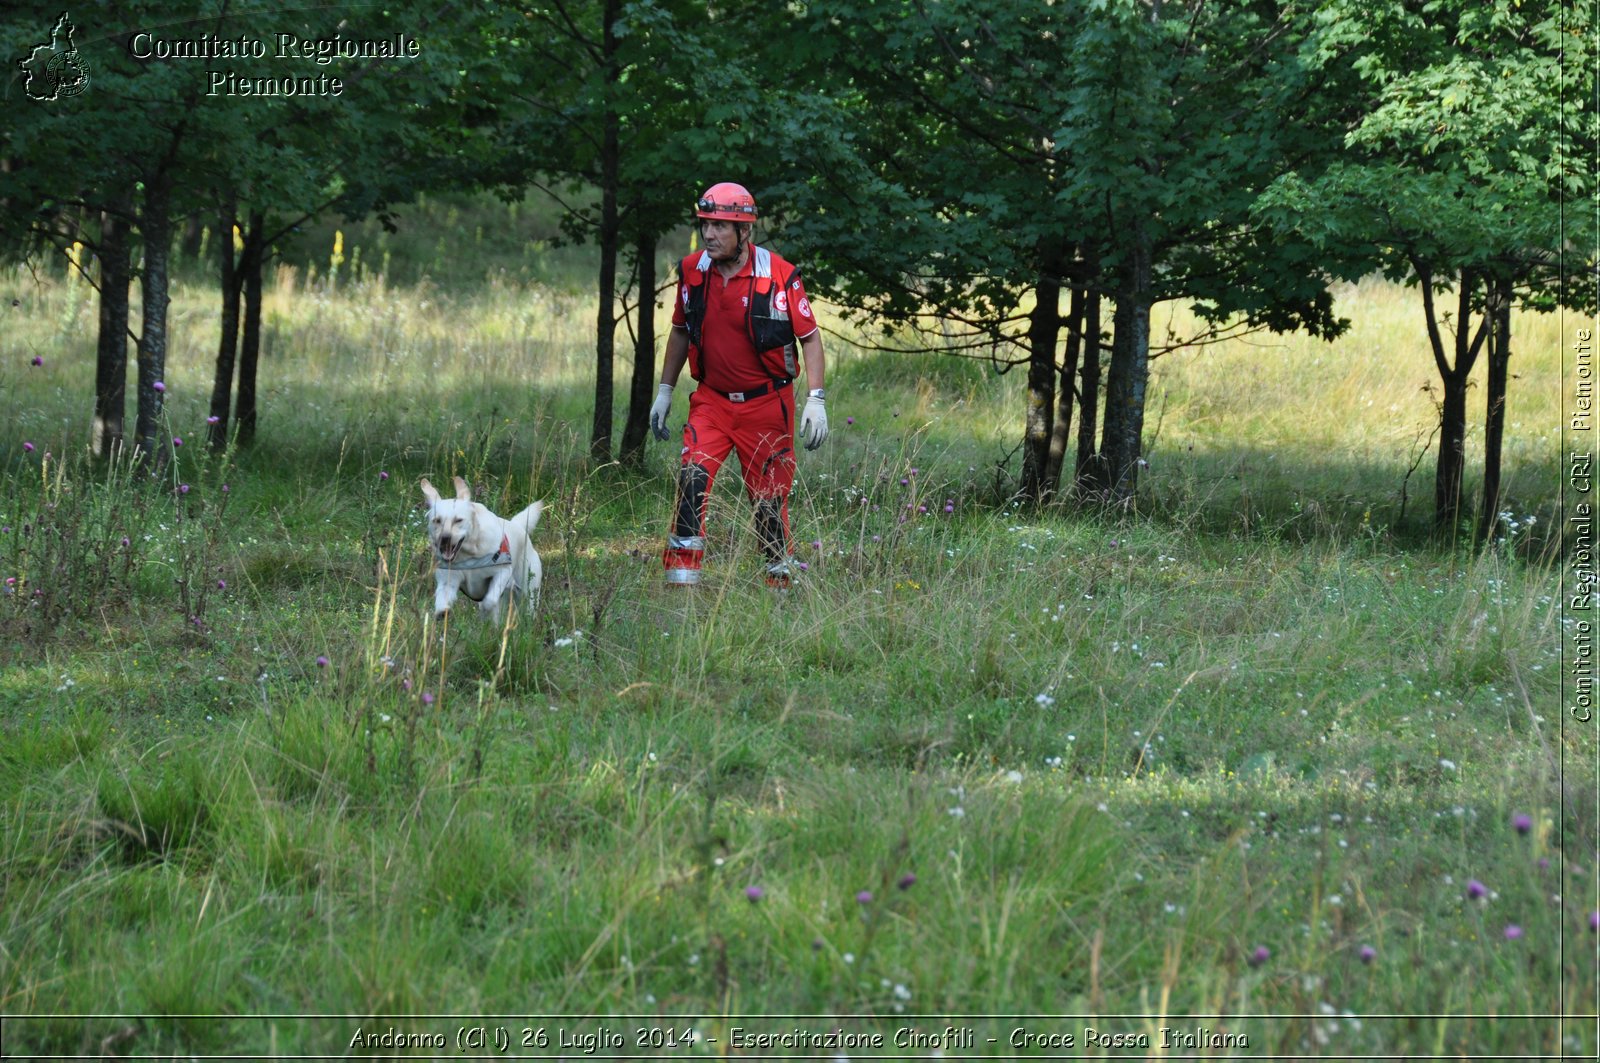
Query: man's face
point(721, 238)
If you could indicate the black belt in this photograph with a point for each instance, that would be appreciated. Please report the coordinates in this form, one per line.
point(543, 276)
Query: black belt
point(753, 393)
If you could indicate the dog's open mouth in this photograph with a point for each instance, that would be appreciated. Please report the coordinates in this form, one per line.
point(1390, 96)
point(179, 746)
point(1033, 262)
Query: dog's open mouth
point(447, 549)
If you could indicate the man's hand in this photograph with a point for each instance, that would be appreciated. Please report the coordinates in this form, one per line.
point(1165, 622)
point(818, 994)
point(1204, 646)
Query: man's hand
point(814, 421)
point(660, 410)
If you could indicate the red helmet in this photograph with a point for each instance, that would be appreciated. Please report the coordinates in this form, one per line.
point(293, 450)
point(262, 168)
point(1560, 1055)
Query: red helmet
point(726, 202)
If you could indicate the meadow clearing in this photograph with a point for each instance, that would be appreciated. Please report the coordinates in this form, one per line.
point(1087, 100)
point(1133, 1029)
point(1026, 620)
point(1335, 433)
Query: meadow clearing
point(1260, 764)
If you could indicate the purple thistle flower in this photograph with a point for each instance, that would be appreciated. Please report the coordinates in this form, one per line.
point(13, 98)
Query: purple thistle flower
point(754, 893)
point(1475, 889)
point(224, 488)
point(1368, 954)
point(849, 420)
point(177, 441)
point(1594, 921)
point(864, 897)
point(816, 544)
point(1522, 822)
point(322, 662)
point(11, 581)
point(949, 507)
point(427, 697)
point(1544, 863)
point(124, 540)
point(1261, 955)
point(27, 448)
point(159, 386)
point(213, 419)
point(38, 360)
point(907, 880)
point(222, 584)
point(382, 475)
point(1513, 932)
point(904, 481)
point(183, 489)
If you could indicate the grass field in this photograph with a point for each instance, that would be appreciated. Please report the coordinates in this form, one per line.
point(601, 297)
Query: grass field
point(1259, 762)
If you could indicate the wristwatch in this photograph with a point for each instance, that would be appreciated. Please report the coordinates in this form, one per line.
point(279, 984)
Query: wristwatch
point(817, 393)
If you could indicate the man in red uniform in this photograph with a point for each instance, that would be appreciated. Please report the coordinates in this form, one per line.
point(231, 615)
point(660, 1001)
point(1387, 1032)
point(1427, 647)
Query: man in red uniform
point(741, 312)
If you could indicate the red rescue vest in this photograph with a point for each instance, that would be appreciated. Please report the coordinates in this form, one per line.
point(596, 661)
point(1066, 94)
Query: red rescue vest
point(766, 319)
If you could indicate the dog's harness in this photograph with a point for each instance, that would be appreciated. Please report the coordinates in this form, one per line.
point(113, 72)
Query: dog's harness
point(497, 559)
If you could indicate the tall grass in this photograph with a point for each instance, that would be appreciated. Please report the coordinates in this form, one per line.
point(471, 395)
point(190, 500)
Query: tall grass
point(1240, 755)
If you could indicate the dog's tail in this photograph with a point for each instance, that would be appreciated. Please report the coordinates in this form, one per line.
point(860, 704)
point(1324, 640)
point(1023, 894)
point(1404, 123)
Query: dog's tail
point(527, 519)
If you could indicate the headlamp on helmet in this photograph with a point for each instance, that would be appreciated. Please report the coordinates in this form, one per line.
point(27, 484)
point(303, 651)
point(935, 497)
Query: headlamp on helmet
point(726, 202)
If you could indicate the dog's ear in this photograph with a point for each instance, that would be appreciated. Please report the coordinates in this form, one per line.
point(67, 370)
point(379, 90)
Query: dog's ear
point(463, 492)
point(429, 492)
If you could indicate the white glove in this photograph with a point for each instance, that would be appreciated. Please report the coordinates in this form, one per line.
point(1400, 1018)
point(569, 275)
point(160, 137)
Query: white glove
point(660, 410)
point(814, 421)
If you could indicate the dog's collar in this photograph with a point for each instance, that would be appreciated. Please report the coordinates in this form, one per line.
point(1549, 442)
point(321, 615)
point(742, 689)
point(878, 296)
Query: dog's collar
point(500, 557)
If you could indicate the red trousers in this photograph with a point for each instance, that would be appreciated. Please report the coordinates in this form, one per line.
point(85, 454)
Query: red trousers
point(761, 430)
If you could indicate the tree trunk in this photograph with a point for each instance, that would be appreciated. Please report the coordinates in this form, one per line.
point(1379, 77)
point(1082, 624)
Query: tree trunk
point(111, 358)
point(190, 245)
point(155, 225)
point(1449, 471)
point(1090, 477)
point(1130, 371)
point(641, 393)
point(1043, 328)
point(1061, 431)
point(228, 344)
point(244, 411)
point(1494, 420)
point(605, 318)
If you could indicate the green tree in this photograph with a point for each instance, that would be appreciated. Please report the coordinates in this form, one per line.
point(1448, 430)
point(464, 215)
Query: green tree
point(400, 126)
point(152, 139)
point(1466, 172)
point(980, 157)
point(607, 98)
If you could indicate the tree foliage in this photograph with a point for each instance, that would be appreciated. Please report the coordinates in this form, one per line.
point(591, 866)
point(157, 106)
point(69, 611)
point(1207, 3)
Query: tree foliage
point(983, 152)
point(159, 135)
point(1466, 172)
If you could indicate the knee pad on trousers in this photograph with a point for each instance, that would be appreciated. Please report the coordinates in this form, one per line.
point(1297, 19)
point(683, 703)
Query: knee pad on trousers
point(769, 528)
point(692, 483)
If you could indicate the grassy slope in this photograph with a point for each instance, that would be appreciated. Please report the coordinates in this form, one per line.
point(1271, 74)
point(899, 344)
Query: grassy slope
point(1118, 758)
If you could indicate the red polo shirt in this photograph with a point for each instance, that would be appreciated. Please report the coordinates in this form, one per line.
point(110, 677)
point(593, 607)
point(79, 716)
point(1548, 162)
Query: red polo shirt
point(730, 361)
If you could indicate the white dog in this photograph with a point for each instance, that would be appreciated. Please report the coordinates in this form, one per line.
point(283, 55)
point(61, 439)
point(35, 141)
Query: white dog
point(479, 554)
